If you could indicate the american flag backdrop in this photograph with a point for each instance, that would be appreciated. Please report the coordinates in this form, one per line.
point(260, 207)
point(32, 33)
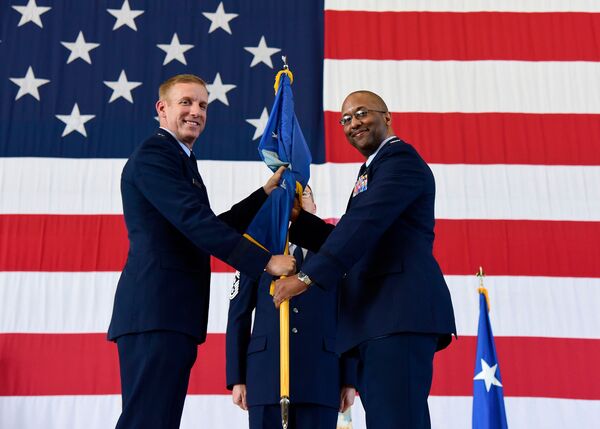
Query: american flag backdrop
point(501, 98)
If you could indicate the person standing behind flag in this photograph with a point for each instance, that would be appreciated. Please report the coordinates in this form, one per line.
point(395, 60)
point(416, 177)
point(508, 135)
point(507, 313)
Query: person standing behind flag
point(161, 304)
point(395, 309)
point(320, 383)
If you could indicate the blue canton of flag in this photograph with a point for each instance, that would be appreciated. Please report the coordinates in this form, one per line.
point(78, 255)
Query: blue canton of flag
point(80, 79)
point(281, 144)
point(488, 396)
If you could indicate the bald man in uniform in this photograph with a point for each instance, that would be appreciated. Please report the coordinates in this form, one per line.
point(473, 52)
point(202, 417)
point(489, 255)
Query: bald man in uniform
point(395, 309)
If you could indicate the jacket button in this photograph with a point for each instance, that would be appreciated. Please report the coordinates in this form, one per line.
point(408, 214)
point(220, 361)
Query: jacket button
point(295, 310)
point(294, 330)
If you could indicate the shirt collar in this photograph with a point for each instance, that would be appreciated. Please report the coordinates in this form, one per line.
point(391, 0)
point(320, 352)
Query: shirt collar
point(184, 147)
point(374, 154)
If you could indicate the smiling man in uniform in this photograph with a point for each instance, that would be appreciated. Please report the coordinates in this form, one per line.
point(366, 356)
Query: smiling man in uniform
point(161, 304)
point(394, 308)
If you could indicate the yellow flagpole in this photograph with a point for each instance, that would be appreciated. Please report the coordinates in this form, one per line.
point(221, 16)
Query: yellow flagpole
point(284, 351)
point(284, 348)
point(284, 308)
point(284, 356)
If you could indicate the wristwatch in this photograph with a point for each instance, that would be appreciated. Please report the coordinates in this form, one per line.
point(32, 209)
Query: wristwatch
point(304, 278)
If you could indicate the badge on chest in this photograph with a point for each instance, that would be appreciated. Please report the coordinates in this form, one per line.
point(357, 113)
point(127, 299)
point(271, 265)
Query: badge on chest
point(235, 289)
point(360, 185)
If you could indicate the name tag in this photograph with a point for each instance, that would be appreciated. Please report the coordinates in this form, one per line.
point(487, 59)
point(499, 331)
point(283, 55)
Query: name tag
point(360, 185)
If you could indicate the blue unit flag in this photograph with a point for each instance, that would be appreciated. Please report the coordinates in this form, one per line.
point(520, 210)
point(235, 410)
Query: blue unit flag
point(282, 143)
point(488, 395)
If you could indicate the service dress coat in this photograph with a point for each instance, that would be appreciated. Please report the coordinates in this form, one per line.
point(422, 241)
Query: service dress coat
point(380, 254)
point(172, 232)
point(252, 358)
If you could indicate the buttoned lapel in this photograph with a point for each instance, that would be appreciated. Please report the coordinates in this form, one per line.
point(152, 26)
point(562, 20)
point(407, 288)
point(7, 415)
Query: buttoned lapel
point(190, 163)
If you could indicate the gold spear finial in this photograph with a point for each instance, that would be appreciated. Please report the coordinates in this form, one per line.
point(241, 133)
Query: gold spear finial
point(285, 69)
point(480, 274)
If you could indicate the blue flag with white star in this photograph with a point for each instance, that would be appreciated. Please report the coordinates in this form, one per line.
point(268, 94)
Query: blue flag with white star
point(282, 144)
point(488, 396)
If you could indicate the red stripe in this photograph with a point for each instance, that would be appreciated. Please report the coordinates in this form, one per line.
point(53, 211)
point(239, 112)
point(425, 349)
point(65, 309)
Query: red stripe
point(462, 36)
point(218, 266)
point(504, 247)
point(527, 248)
point(62, 242)
point(67, 243)
point(510, 138)
point(530, 366)
point(86, 364)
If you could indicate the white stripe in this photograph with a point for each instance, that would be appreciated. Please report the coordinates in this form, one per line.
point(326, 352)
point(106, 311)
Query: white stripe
point(60, 186)
point(45, 302)
point(531, 192)
point(54, 303)
point(465, 5)
point(82, 303)
point(449, 412)
point(218, 412)
point(102, 412)
point(524, 306)
point(467, 86)
point(483, 191)
point(454, 412)
point(91, 186)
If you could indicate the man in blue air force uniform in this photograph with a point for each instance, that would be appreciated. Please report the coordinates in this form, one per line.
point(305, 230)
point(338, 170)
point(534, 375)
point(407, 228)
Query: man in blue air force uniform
point(395, 309)
point(161, 304)
point(320, 383)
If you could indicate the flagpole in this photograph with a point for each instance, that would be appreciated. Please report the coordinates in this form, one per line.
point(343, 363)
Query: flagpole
point(284, 321)
point(277, 148)
point(284, 356)
point(488, 399)
point(480, 274)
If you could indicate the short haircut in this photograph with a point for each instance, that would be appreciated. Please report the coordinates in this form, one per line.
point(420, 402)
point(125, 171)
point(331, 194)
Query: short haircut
point(164, 88)
point(378, 100)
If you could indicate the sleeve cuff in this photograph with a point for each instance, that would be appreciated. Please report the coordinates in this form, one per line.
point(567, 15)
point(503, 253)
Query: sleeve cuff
point(324, 271)
point(249, 259)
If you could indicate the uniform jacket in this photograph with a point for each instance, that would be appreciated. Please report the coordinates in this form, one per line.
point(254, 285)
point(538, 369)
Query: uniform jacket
point(380, 253)
point(172, 233)
point(253, 359)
